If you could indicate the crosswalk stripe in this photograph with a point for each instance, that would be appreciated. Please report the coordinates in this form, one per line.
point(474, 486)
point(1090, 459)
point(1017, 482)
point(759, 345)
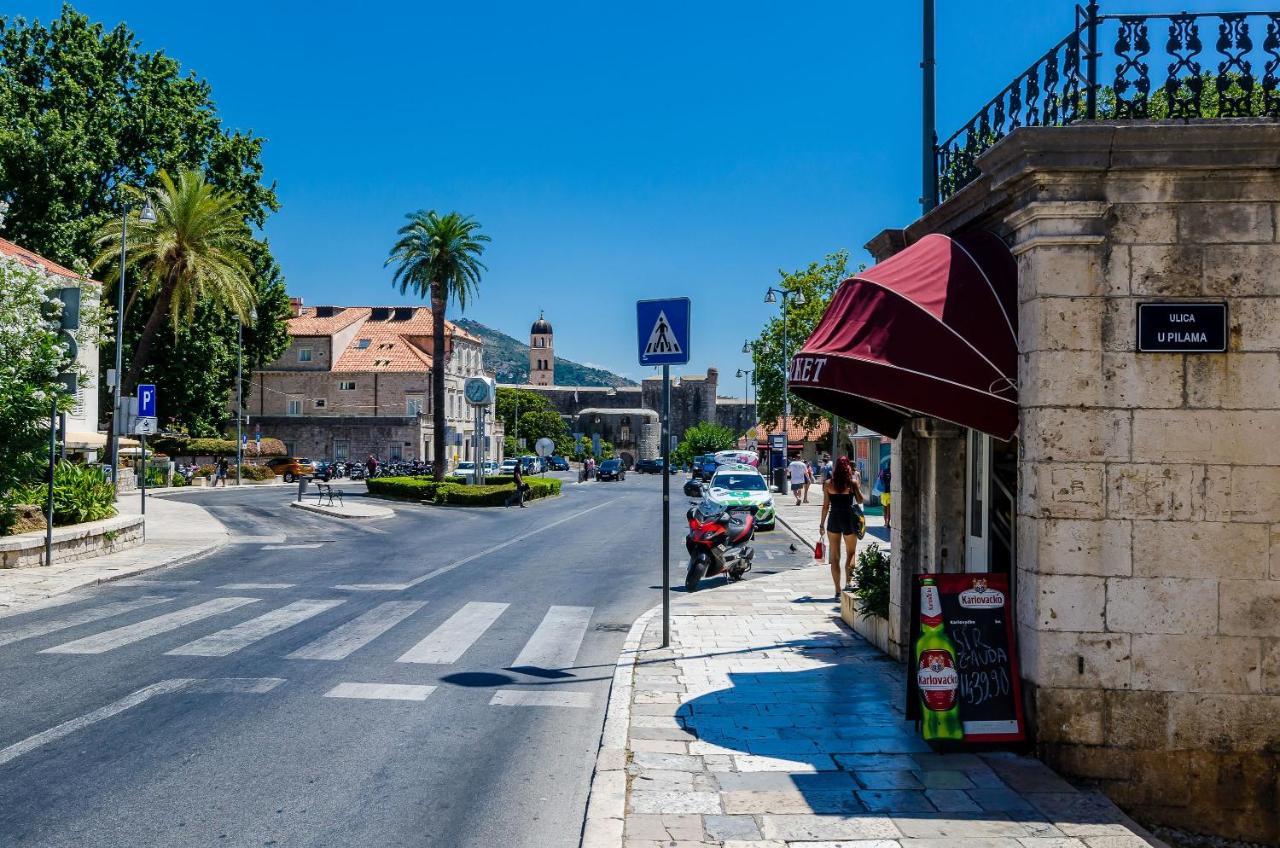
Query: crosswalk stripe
point(243, 587)
point(459, 632)
point(130, 633)
point(517, 698)
point(84, 616)
point(360, 631)
point(554, 645)
point(381, 691)
point(232, 639)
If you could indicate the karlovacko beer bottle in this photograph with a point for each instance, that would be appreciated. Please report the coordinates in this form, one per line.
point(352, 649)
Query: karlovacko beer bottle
point(936, 675)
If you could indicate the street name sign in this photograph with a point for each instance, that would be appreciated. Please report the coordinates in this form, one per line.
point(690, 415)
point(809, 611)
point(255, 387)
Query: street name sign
point(662, 330)
point(1175, 327)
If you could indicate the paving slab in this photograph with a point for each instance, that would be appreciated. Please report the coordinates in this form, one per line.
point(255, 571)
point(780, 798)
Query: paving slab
point(793, 734)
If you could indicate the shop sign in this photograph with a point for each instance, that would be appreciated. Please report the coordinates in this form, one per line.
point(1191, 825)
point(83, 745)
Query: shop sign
point(1180, 327)
point(963, 685)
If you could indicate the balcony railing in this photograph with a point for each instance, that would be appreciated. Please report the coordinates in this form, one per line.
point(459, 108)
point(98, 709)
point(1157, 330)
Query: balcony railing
point(1240, 79)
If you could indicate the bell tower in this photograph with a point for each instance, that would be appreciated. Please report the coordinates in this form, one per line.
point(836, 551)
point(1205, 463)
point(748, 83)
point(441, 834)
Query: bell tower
point(542, 356)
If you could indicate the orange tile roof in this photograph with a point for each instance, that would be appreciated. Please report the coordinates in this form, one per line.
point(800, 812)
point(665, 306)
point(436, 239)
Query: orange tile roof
point(797, 434)
point(35, 260)
point(307, 324)
point(392, 345)
point(387, 351)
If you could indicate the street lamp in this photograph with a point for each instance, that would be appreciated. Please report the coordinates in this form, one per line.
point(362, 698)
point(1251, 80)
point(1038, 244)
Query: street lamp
point(147, 216)
point(253, 316)
point(797, 297)
point(747, 374)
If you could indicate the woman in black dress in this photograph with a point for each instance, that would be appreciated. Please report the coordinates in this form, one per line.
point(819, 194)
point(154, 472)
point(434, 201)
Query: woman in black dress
point(842, 519)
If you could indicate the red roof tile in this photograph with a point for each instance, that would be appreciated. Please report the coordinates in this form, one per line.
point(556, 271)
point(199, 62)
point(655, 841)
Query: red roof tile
point(378, 345)
point(35, 260)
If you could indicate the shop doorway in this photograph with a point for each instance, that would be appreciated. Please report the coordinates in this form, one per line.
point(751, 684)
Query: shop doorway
point(990, 503)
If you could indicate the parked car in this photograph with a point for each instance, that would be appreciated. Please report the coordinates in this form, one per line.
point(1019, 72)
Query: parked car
point(708, 468)
point(742, 485)
point(291, 467)
point(559, 463)
point(695, 467)
point(611, 469)
point(650, 466)
point(531, 464)
point(509, 466)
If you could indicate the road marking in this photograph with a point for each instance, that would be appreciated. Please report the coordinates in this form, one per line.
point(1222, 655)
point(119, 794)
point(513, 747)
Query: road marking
point(127, 635)
point(445, 569)
point(554, 645)
point(245, 633)
point(519, 698)
point(164, 687)
point(84, 616)
point(380, 691)
point(360, 631)
point(157, 584)
point(243, 586)
point(294, 547)
point(448, 642)
point(257, 540)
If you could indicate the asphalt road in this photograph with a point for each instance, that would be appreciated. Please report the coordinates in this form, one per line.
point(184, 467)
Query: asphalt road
point(434, 679)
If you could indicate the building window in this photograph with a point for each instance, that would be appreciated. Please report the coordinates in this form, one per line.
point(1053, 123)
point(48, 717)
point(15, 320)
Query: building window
point(363, 343)
point(320, 403)
point(413, 405)
point(347, 385)
point(395, 452)
point(341, 449)
point(294, 406)
point(304, 354)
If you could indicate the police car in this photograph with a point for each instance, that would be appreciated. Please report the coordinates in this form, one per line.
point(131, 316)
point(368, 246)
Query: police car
point(740, 484)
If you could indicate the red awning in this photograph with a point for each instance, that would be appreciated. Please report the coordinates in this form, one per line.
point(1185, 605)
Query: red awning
point(929, 331)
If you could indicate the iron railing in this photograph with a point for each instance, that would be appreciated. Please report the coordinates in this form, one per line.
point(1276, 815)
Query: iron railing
point(1240, 80)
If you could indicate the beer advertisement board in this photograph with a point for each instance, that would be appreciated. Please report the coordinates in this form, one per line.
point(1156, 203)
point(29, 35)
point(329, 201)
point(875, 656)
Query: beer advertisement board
point(963, 684)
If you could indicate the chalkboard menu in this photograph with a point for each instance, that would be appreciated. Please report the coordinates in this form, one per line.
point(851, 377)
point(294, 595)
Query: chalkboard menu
point(977, 616)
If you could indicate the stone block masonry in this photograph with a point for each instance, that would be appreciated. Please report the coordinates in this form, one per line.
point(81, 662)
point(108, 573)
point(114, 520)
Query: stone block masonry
point(1148, 510)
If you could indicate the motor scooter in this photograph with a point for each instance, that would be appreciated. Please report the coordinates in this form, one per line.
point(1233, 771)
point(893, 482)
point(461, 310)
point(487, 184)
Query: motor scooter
point(717, 542)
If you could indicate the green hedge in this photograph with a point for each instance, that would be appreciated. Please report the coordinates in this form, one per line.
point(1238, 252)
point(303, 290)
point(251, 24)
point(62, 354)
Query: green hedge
point(458, 494)
point(184, 446)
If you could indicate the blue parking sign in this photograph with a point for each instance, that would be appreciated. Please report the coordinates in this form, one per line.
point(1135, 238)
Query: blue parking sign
point(146, 400)
point(662, 330)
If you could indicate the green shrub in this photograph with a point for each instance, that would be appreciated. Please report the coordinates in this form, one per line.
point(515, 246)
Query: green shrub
point(185, 446)
point(406, 488)
point(155, 477)
point(206, 471)
point(458, 494)
point(871, 576)
point(81, 493)
point(253, 472)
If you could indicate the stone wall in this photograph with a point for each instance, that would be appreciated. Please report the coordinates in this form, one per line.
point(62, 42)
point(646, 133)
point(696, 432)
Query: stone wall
point(76, 542)
point(1148, 579)
point(313, 437)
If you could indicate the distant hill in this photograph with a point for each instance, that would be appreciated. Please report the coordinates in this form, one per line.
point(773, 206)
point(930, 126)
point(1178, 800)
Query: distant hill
point(510, 358)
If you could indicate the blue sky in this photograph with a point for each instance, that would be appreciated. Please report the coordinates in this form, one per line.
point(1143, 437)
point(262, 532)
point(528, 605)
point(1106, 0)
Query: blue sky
point(612, 151)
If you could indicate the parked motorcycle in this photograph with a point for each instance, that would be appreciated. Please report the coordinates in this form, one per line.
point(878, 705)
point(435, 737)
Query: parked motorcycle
point(718, 542)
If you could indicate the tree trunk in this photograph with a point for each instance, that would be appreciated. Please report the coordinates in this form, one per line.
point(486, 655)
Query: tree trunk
point(140, 353)
point(438, 421)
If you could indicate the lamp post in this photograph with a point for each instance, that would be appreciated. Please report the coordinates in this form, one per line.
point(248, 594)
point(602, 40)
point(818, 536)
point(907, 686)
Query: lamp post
point(147, 215)
point(253, 316)
point(771, 297)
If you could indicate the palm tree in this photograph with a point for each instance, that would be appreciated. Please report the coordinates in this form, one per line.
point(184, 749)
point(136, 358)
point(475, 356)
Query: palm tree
point(195, 251)
point(438, 256)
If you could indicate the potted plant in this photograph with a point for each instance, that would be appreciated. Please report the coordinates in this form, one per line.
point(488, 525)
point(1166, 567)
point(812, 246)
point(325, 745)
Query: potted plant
point(867, 612)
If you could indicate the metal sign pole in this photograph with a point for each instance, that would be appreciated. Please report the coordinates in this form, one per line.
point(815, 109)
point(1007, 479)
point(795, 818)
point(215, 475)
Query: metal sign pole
point(53, 449)
point(143, 472)
point(666, 505)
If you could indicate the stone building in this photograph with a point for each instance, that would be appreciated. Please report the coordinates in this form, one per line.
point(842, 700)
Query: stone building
point(1137, 504)
point(693, 399)
point(356, 380)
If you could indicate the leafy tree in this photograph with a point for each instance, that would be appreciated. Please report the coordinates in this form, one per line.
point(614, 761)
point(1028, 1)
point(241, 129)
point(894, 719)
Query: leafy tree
point(818, 282)
point(703, 437)
point(512, 403)
point(583, 449)
point(196, 251)
point(31, 356)
point(545, 423)
point(86, 112)
point(438, 257)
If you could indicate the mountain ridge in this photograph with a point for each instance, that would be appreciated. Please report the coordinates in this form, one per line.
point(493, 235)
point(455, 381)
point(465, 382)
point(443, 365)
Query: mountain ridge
point(509, 358)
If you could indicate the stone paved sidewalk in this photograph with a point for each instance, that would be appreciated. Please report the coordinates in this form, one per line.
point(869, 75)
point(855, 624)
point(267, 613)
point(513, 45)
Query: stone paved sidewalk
point(768, 724)
point(175, 532)
point(802, 521)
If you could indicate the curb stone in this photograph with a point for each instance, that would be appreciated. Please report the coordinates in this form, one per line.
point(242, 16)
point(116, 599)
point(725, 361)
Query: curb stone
point(606, 812)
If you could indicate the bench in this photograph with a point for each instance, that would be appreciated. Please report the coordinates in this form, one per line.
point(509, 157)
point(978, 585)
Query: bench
point(324, 490)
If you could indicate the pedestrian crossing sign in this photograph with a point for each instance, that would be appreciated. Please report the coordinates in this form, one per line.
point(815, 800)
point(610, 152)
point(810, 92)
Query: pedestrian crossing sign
point(662, 328)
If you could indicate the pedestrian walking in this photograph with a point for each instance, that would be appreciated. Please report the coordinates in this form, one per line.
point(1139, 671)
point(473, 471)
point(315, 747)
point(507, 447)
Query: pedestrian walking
point(883, 484)
point(842, 520)
point(371, 466)
point(808, 479)
point(796, 471)
point(517, 496)
point(827, 467)
point(221, 473)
